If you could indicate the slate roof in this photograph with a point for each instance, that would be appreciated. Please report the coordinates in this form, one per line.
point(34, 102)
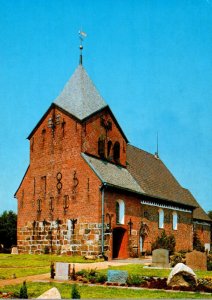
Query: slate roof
point(199, 213)
point(113, 175)
point(157, 181)
point(80, 97)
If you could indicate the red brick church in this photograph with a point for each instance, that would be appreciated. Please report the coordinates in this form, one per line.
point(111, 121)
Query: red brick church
point(87, 191)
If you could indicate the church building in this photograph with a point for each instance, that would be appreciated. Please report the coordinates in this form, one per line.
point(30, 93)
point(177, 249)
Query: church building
point(87, 191)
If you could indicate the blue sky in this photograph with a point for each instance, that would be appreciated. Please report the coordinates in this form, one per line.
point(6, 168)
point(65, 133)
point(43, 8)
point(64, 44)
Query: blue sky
point(151, 60)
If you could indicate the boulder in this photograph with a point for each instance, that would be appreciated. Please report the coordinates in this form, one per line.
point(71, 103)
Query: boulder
point(51, 294)
point(182, 276)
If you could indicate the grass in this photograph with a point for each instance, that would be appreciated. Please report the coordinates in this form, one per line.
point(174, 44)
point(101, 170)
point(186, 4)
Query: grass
point(36, 289)
point(24, 265)
point(29, 264)
point(137, 269)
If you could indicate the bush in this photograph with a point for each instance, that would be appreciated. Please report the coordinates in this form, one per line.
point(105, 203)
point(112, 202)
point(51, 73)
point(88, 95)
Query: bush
point(101, 278)
point(90, 275)
point(135, 280)
point(23, 291)
point(165, 242)
point(209, 262)
point(197, 244)
point(52, 270)
point(82, 272)
point(46, 250)
point(178, 257)
point(74, 292)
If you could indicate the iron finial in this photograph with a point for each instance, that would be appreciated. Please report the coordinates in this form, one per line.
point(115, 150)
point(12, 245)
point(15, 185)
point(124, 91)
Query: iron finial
point(82, 35)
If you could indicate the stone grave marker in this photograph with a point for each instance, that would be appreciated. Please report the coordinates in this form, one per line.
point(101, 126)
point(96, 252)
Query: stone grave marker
point(196, 260)
point(62, 271)
point(51, 294)
point(116, 276)
point(160, 258)
point(182, 276)
point(14, 250)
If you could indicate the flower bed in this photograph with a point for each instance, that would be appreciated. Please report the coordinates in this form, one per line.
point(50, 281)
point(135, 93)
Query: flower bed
point(94, 277)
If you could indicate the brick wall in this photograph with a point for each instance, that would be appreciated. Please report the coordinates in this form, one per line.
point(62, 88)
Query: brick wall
point(138, 213)
point(95, 128)
point(59, 185)
point(203, 231)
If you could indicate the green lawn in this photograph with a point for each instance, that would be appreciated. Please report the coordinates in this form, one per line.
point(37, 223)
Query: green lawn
point(137, 269)
point(36, 289)
point(29, 264)
point(23, 265)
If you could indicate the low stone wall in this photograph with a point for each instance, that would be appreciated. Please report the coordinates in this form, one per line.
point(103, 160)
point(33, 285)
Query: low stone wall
point(59, 237)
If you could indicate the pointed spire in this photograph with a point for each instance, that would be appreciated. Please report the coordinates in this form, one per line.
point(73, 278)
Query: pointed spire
point(82, 35)
point(80, 97)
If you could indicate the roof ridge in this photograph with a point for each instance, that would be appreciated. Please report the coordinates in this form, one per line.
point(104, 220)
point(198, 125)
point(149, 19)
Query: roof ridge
point(133, 146)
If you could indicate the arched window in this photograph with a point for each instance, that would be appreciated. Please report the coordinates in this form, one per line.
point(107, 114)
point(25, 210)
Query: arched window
point(109, 145)
point(120, 211)
point(161, 218)
point(101, 147)
point(116, 151)
point(174, 220)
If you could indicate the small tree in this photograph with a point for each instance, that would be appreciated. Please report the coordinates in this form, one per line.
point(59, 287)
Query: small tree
point(165, 242)
point(8, 231)
point(73, 274)
point(23, 291)
point(52, 270)
point(197, 244)
point(74, 292)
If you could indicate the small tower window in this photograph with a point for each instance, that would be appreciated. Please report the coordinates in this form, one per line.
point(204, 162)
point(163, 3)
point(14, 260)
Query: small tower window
point(116, 151)
point(101, 147)
point(109, 145)
point(174, 221)
point(161, 218)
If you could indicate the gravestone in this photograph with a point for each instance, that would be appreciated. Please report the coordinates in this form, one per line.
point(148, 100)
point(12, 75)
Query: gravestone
point(160, 258)
point(62, 271)
point(51, 294)
point(14, 250)
point(196, 260)
point(182, 276)
point(207, 247)
point(116, 276)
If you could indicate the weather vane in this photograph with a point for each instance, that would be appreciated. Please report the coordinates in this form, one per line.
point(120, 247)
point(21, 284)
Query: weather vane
point(82, 35)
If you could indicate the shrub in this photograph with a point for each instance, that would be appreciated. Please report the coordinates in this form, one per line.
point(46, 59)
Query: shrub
point(74, 292)
point(197, 244)
point(52, 270)
point(73, 273)
point(209, 262)
point(177, 258)
point(23, 291)
point(82, 272)
point(135, 280)
point(101, 278)
point(165, 242)
point(46, 250)
point(92, 272)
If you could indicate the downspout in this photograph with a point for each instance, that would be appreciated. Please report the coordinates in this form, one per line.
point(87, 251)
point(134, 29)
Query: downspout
point(103, 215)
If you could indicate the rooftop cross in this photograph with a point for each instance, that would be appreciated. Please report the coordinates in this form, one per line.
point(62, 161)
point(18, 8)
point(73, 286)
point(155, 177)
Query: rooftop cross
point(82, 35)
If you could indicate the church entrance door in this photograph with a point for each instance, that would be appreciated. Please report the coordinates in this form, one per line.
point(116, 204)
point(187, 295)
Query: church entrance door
point(120, 243)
